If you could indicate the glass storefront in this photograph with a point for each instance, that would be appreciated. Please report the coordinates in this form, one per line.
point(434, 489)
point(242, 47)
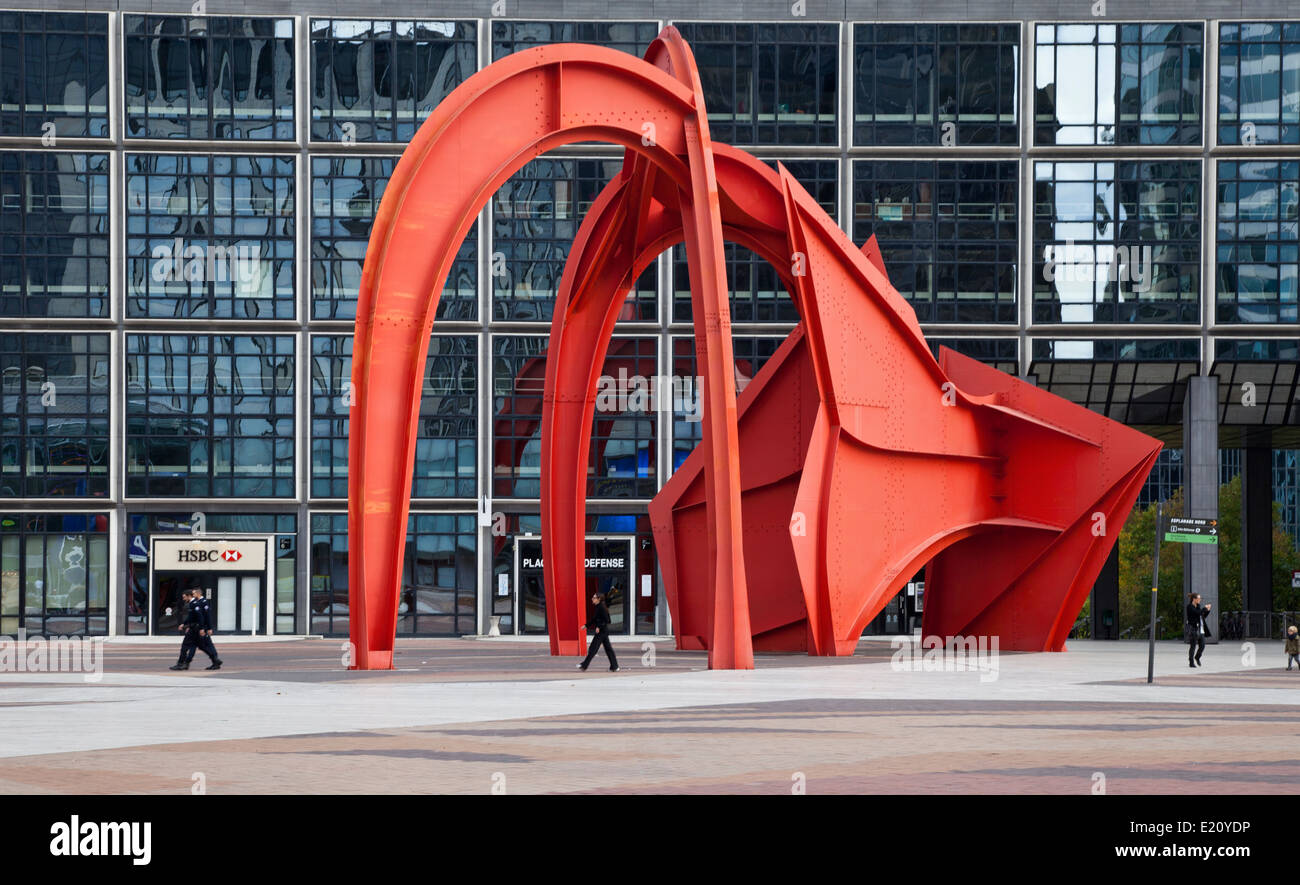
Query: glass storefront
point(54, 574)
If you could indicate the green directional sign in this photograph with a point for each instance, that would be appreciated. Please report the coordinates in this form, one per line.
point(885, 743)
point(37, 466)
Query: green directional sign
point(1184, 530)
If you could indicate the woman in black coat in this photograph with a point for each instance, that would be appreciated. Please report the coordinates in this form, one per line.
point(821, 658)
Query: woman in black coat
point(600, 620)
point(1196, 629)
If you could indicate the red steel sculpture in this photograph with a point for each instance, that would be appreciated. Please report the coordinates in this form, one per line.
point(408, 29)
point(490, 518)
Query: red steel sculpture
point(852, 459)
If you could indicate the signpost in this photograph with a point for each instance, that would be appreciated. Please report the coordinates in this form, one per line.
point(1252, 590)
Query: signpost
point(1192, 531)
point(1181, 530)
point(1155, 586)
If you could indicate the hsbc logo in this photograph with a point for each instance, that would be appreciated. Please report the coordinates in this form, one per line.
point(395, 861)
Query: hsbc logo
point(210, 555)
point(184, 555)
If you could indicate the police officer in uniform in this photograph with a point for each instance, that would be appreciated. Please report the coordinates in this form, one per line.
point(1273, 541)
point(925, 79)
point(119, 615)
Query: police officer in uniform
point(197, 624)
point(205, 634)
point(190, 621)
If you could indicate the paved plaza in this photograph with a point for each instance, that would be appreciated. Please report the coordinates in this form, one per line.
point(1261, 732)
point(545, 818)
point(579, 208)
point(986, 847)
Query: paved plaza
point(473, 715)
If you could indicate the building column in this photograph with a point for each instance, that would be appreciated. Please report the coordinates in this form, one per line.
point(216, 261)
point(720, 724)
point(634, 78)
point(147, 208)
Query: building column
point(1103, 611)
point(1257, 523)
point(1201, 488)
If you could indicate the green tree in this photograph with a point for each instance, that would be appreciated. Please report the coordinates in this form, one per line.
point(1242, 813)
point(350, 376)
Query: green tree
point(1137, 546)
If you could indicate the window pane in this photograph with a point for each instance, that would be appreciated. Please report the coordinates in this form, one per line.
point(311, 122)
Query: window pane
point(54, 75)
point(780, 89)
point(932, 85)
point(377, 80)
point(1117, 242)
point(54, 427)
point(209, 416)
point(209, 77)
point(1125, 85)
point(1258, 241)
point(345, 195)
point(1259, 83)
point(947, 232)
point(535, 216)
point(54, 234)
point(210, 236)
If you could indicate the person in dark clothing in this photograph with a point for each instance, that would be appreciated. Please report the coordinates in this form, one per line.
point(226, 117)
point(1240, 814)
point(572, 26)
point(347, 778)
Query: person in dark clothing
point(600, 620)
point(197, 626)
point(189, 625)
point(1196, 629)
point(205, 637)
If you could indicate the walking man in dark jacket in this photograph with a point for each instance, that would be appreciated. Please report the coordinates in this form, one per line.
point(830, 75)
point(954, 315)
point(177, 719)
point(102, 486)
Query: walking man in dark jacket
point(190, 626)
point(205, 635)
point(197, 625)
point(1196, 629)
point(600, 620)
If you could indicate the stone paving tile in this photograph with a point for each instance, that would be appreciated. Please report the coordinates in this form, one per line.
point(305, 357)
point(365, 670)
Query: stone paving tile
point(839, 746)
point(436, 660)
point(666, 730)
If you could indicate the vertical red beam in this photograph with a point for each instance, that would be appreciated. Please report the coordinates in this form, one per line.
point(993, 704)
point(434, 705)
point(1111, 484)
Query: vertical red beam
point(732, 645)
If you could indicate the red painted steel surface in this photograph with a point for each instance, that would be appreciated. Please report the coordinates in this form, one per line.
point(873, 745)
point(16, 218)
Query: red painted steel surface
point(854, 457)
point(485, 131)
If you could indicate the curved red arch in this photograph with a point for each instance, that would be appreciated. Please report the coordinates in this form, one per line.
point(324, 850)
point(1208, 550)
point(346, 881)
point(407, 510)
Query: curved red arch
point(489, 127)
point(864, 456)
point(629, 224)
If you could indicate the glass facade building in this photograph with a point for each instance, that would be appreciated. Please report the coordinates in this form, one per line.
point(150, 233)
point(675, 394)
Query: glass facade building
point(1107, 207)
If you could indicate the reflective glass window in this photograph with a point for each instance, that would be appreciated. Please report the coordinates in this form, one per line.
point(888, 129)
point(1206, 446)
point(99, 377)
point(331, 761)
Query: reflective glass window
point(518, 382)
point(1000, 353)
point(622, 459)
point(209, 77)
point(376, 80)
point(535, 216)
point(757, 294)
point(54, 424)
point(1259, 83)
point(1258, 255)
point(1118, 84)
point(947, 232)
point(210, 416)
point(439, 595)
point(54, 574)
point(1140, 382)
point(768, 83)
point(54, 234)
point(210, 235)
point(933, 84)
point(1117, 242)
point(751, 353)
point(54, 74)
point(447, 437)
point(345, 195)
point(623, 455)
point(511, 36)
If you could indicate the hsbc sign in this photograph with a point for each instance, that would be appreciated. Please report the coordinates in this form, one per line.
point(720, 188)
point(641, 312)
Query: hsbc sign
point(171, 554)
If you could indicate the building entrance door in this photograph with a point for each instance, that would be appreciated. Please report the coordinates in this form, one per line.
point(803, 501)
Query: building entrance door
point(230, 572)
point(610, 571)
point(237, 605)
